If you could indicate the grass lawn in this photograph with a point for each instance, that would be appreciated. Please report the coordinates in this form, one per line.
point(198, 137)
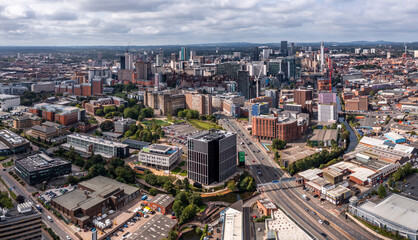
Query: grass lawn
point(270, 147)
point(7, 164)
point(183, 173)
point(176, 170)
point(175, 121)
point(3, 158)
point(182, 164)
point(204, 125)
point(158, 121)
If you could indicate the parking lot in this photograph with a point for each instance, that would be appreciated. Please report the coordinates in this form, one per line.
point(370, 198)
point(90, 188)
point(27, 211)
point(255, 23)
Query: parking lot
point(178, 133)
point(49, 194)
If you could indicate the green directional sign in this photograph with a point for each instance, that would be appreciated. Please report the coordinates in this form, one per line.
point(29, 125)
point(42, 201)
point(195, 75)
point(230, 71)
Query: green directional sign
point(241, 158)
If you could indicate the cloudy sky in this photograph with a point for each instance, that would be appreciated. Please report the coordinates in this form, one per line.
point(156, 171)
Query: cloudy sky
point(162, 22)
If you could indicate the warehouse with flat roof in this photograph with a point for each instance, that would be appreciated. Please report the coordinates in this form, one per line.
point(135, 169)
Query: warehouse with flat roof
point(396, 212)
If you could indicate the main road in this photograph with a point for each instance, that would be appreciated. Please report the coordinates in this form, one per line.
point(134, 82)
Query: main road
point(289, 195)
point(56, 225)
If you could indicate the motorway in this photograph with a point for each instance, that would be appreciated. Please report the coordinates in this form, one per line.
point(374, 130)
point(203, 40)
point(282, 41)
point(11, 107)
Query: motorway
point(289, 196)
point(56, 225)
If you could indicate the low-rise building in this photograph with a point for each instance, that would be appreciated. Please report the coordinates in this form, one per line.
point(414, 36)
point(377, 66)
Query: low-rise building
point(324, 136)
point(40, 167)
point(333, 176)
point(11, 143)
point(43, 132)
point(122, 125)
point(338, 195)
point(357, 104)
point(395, 213)
point(266, 206)
point(160, 156)
point(161, 203)
point(26, 121)
point(86, 145)
point(8, 101)
point(93, 197)
point(135, 144)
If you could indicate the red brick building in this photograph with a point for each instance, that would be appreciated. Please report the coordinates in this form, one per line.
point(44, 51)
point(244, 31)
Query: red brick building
point(357, 104)
point(161, 203)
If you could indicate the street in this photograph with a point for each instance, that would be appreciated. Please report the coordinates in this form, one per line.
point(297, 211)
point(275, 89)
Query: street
point(56, 225)
point(288, 196)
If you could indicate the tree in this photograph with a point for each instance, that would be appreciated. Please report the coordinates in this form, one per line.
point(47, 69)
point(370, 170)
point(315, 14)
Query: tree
point(169, 187)
point(20, 199)
point(169, 116)
point(186, 184)
point(196, 199)
point(107, 125)
point(189, 115)
point(72, 129)
point(128, 133)
point(278, 144)
point(99, 112)
point(371, 93)
point(109, 109)
point(413, 133)
point(153, 191)
point(151, 179)
point(178, 207)
point(72, 180)
point(231, 186)
point(390, 182)
point(188, 213)
point(381, 191)
point(172, 235)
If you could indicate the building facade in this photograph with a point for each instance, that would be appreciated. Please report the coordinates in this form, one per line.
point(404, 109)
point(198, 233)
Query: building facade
point(212, 156)
point(160, 156)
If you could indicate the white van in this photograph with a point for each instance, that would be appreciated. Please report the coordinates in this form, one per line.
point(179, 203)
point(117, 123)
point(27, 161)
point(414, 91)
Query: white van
point(49, 218)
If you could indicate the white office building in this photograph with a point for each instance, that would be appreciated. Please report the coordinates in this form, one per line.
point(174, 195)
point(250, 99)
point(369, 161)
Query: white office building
point(8, 101)
point(160, 156)
point(327, 113)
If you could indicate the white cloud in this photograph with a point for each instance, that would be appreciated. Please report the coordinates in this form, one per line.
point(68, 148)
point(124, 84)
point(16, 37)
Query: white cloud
point(144, 22)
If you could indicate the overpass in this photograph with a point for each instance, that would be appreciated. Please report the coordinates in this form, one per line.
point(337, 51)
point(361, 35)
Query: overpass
point(279, 182)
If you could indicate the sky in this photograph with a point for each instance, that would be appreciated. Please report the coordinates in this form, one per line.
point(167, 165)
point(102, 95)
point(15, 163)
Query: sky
point(166, 22)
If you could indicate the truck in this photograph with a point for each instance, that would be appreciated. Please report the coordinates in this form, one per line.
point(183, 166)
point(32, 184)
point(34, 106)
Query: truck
point(144, 197)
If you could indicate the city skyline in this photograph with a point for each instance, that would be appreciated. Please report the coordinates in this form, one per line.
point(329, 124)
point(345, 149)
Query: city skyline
point(89, 23)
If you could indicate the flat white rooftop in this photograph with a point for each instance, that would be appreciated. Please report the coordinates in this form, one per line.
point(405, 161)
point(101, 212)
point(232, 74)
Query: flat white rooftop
point(233, 225)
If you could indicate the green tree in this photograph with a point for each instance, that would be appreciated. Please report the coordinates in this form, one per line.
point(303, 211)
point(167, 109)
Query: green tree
point(169, 187)
point(188, 213)
point(99, 112)
point(172, 235)
point(381, 191)
point(128, 133)
point(178, 207)
point(196, 199)
point(153, 191)
point(231, 185)
point(107, 125)
point(109, 109)
point(186, 184)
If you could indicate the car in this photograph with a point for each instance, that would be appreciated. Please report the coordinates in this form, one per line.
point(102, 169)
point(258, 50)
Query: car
point(316, 195)
point(68, 237)
point(326, 222)
point(320, 221)
point(173, 217)
point(306, 210)
point(4, 169)
point(412, 187)
point(253, 160)
point(49, 218)
point(324, 235)
point(314, 213)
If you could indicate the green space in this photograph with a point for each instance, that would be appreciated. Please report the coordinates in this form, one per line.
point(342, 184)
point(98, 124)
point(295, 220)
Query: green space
point(159, 122)
point(202, 207)
point(182, 164)
point(7, 164)
point(3, 158)
point(176, 170)
point(204, 125)
point(183, 173)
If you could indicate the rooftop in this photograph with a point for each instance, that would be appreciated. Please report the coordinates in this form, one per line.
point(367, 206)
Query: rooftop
point(97, 140)
point(395, 208)
point(163, 200)
point(12, 138)
point(267, 203)
point(156, 228)
point(41, 161)
point(324, 135)
point(232, 228)
point(7, 96)
point(338, 191)
point(310, 174)
point(212, 135)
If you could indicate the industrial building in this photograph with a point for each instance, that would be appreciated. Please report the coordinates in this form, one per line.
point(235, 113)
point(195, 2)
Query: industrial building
point(396, 213)
point(161, 203)
point(212, 156)
point(39, 168)
point(233, 222)
point(324, 136)
point(8, 101)
point(11, 143)
point(22, 222)
point(93, 197)
point(395, 138)
point(160, 156)
point(86, 145)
